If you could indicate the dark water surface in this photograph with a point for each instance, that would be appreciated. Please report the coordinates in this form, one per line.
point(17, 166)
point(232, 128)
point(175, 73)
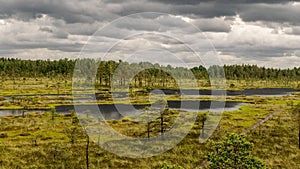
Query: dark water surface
point(192, 92)
point(117, 111)
point(246, 92)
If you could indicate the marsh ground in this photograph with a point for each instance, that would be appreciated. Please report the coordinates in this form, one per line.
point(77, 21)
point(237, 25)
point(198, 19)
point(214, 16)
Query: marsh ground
point(37, 141)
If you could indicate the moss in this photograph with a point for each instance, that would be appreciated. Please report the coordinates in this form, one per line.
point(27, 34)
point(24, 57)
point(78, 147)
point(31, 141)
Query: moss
point(53, 147)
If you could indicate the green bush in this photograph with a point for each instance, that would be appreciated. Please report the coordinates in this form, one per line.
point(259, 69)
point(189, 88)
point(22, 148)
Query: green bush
point(233, 152)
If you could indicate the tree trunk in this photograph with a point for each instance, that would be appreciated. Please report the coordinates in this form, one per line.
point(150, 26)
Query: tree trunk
point(203, 129)
point(148, 130)
point(87, 152)
point(162, 125)
point(299, 128)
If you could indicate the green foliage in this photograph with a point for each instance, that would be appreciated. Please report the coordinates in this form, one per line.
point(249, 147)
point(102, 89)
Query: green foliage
point(75, 120)
point(151, 76)
point(35, 68)
point(255, 72)
point(233, 152)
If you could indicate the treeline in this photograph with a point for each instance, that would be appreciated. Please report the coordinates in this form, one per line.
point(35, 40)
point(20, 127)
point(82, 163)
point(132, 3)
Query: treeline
point(245, 72)
point(255, 72)
point(140, 73)
point(35, 68)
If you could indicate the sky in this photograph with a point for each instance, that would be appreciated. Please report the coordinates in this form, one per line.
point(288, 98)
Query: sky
point(177, 32)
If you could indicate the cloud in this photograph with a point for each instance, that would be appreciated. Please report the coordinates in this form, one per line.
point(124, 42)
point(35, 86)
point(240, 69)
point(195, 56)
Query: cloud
point(213, 25)
point(249, 31)
point(292, 30)
point(76, 11)
point(195, 2)
point(280, 13)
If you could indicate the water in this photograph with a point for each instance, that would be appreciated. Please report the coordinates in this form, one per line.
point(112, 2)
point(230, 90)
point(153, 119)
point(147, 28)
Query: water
point(111, 111)
point(19, 112)
point(117, 111)
point(186, 92)
point(246, 92)
point(191, 92)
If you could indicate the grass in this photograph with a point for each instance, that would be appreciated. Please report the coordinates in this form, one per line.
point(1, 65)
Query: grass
point(243, 84)
point(277, 141)
point(36, 141)
point(44, 85)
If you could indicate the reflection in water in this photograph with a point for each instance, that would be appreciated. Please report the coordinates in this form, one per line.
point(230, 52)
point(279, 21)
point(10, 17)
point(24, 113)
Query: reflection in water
point(120, 110)
point(117, 111)
point(246, 92)
point(19, 112)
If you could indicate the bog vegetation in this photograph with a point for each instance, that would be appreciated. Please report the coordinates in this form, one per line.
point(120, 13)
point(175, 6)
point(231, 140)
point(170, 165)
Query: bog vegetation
point(51, 140)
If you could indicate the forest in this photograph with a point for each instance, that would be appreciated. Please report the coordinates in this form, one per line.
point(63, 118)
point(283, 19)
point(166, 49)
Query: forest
point(154, 73)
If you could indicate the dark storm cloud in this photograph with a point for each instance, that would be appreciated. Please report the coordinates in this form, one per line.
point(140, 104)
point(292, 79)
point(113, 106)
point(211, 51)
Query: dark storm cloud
point(61, 25)
point(90, 11)
point(193, 2)
point(196, 2)
point(72, 47)
point(249, 10)
point(272, 13)
point(71, 11)
point(206, 10)
point(179, 2)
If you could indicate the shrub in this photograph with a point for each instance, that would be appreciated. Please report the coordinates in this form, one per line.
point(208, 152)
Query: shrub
point(233, 152)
